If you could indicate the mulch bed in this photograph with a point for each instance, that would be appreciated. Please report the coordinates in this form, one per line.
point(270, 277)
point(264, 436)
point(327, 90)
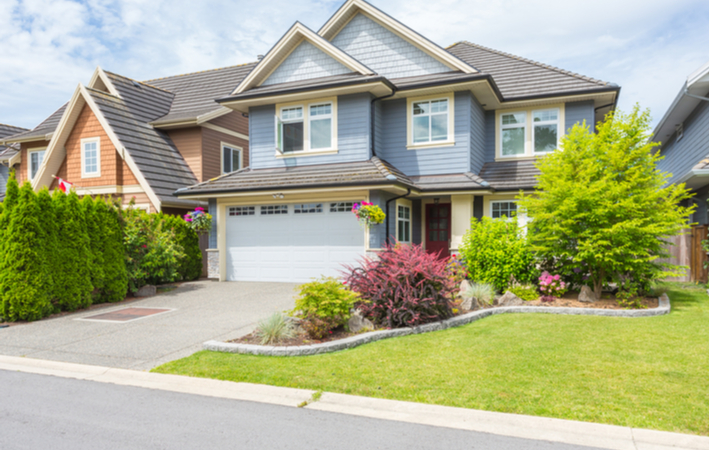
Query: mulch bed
point(299, 339)
point(608, 301)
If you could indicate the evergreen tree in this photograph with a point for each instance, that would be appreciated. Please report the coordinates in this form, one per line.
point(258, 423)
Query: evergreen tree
point(115, 283)
point(97, 240)
point(73, 277)
point(49, 245)
point(190, 267)
point(24, 294)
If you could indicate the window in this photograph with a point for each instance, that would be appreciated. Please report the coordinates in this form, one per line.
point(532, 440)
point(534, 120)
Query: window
point(306, 128)
point(341, 207)
point(504, 208)
point(231, 158)
point(512, 134)
point(404, 224)
point(35, 162)
point(545, 125)
point(241, 211)
point(274, 210)
point(90, 158)
point(430, 121)
point(308, 208)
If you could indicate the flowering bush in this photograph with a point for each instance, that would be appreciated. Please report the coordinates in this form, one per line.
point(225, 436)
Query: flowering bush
point(368, 214)
point(317, 327)
point(403, 287)
point(551, 286)
point(457, 269)
point(199, 220)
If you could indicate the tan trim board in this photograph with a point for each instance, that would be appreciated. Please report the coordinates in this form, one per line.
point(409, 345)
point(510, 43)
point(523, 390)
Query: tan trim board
point(114, 189)
point(291, 191)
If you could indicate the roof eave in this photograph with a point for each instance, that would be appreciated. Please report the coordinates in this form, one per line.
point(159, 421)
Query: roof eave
point(207, 192)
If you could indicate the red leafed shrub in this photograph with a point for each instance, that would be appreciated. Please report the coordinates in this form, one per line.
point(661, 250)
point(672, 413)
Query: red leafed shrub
point(404, 287)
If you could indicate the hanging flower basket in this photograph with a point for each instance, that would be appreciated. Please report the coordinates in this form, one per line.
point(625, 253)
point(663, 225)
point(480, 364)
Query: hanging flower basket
point(368, 214)
point(199, 220)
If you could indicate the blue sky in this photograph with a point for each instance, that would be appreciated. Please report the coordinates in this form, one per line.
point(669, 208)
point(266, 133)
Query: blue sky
point(648, 47)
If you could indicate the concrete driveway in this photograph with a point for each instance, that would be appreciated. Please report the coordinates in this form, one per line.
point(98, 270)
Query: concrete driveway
point(197, 312)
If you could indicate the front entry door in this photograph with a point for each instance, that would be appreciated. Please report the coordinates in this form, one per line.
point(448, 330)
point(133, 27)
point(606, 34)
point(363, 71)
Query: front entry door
point(438, 229)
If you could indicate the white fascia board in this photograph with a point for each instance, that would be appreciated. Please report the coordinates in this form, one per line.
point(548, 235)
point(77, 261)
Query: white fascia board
point(330, 28)
point(281, 50)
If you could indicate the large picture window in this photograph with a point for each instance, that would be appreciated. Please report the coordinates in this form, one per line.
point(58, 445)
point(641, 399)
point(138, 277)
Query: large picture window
point(528, 133)
point(430, 121)
point(231, 158)
point(90, 158)
point(309, 127)
point(35, 158)
point(513, 134)
point(545, 124)
point(321, 125)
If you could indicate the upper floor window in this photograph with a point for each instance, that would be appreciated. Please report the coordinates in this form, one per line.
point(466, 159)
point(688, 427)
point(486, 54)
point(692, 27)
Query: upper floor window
point(430, 121)
point(90, 158)
point(231, 158)
point(528, 133)
point(35, 158)
point(308, 127)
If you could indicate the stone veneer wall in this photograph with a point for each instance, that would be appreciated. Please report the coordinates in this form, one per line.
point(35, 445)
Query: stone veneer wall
point(213, 264)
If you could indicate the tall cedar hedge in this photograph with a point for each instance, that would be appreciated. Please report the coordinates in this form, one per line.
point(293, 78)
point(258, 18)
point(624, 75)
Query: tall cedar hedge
point(191, 265)
point(115, 281)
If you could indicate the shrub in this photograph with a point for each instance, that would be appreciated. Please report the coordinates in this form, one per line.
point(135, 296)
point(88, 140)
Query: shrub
point(50, 243)
point(483, 292)
point(190, 267)
point(274, 329)
point(496, 251)
point(404, 287)
point(115, 281)
point(527, 292)
point(326, 298)
point(24, 294)
point(96, 240)
point(318, 327)
point(457, 269)
point(551, 286)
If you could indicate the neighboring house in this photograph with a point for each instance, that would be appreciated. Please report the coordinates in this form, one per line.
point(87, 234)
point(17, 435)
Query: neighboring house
point(684, 140)
point(368, 109)
point(138, 140)
point(7, 153)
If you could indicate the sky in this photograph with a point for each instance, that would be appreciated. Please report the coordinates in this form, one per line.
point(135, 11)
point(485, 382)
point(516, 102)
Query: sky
point(48, 47)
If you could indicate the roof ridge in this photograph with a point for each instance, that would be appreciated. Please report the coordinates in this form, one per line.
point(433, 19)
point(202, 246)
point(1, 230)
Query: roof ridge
point(384, 170)
point(533, 62)
point(137, 81)
point(199, 71)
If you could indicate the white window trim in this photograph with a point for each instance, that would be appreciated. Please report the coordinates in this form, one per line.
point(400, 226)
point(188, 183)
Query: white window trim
point(407, 204)
point(529, 131)
point(410, 122)
point(547, 122)
point(221, 154)
point(490, 207)
point(96, 174)
point(29, 160)
point(306, 108)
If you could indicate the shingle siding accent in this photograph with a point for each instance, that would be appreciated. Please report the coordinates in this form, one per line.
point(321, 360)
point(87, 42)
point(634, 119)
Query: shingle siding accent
point(681, 156)
point(578, 112)
point(305, 62)
point(353, 135)
point(379, 126)
point(427, 161)
point(490, 136)
point(478, 136)
point(383, 51)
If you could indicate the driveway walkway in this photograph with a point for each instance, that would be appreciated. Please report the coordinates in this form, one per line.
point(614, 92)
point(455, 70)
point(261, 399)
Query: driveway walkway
point(199, 311)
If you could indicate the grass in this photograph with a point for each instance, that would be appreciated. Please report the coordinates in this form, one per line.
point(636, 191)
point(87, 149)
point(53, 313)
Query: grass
point(638, 372)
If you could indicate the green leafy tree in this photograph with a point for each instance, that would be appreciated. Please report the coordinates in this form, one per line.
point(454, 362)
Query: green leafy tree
point(601, 206)
point(191, 265)
point(115, 281)
point(24, 291)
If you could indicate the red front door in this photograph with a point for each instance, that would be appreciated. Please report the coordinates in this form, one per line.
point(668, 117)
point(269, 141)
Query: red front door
point(438, 229)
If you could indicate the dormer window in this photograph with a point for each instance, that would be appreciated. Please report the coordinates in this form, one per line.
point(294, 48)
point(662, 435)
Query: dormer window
point(306, 128)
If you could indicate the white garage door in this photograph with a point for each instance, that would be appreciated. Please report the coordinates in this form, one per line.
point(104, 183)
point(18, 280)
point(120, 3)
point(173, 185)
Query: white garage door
point(291, 242)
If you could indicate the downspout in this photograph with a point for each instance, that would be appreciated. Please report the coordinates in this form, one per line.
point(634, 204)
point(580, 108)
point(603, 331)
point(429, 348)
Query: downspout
point(387, 209)
point(372, 120)
point(685, 92)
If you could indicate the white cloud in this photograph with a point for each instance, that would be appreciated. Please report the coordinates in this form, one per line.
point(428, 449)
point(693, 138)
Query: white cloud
point(48, 46)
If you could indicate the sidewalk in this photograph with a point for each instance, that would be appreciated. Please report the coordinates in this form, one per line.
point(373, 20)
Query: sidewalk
point(513, 425)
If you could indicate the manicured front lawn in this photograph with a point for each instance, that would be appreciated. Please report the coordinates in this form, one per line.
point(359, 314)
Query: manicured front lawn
point(640, 372)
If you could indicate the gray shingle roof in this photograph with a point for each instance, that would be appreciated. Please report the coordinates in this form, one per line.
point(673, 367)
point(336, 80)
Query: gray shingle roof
point(159, 161)
point(456, 181)
point(44, 128)
point(520, 77)
point(510, 175)
point(195, 93)
point(9, 130)
point(146, 102)
point(444, 77)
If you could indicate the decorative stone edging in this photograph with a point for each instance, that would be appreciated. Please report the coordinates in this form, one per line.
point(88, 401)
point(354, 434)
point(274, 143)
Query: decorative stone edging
point(664, 307)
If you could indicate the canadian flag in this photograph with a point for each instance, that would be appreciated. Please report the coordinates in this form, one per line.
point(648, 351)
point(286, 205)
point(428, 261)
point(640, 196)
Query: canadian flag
point(64, 185)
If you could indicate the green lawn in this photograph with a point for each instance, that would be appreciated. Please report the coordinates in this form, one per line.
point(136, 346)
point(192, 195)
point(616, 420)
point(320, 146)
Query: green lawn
point(641, 372)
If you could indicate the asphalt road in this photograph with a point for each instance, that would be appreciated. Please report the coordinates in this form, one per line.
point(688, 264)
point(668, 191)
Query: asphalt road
point(46, 412)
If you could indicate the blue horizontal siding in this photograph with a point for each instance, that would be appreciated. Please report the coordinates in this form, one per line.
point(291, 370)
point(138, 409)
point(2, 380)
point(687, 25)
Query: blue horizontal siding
point(478, 136)
point(680, 157)
point(490, 138)
point(4, 176)
point(579, 112)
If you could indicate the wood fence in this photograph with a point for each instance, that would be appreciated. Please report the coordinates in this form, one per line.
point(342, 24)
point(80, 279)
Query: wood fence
point(204, 245)
point(698, 255)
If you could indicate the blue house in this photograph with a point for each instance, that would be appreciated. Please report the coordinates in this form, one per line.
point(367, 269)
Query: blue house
point(8, 153)
point(367, 109)
point(684, 141)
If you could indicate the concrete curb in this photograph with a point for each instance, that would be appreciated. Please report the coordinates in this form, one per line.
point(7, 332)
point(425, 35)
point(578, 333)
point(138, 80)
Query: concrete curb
point(526, 427)
point(664, 307)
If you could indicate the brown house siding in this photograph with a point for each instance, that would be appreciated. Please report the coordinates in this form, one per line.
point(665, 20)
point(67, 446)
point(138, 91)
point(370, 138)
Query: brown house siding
point(189, 143)
point(211, 144)
point(21, 169)
point(233, 121)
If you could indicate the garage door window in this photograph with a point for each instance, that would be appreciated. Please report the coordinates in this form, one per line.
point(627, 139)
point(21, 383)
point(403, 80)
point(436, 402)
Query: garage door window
point(241, 211)
point(308, 208)
point(273, 210)
point(341, 207)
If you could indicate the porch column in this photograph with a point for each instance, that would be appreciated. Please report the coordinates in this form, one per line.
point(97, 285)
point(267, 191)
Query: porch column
point(461, 214)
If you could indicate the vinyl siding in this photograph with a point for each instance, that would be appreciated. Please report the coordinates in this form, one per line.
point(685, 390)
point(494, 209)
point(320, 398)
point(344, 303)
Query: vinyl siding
point(353, 135)
point(234, 121)
point(304, 63)
point(680, 157)
point(379, 126)
point(490, 136)
point(478, 136)
point(379, 232)
point(383, 51)
point(212, 151)
point(427, 161)
point(189, 143)
point(578, 112)
point(4, 176)
point(701, 200)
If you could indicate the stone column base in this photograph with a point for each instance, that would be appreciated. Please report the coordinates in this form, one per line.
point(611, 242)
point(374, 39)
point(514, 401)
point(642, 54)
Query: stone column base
point(213, 264)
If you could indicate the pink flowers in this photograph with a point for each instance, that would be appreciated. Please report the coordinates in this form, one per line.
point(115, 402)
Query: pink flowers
point(551, 285)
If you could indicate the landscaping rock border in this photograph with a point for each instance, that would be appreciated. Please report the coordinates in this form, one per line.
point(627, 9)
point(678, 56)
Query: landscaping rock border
point(664, 307)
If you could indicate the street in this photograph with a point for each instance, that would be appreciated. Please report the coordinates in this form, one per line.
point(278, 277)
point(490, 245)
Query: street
point(41, 411)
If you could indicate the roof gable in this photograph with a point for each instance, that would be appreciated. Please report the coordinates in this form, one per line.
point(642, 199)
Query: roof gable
point(286, 45)
point(306, 62)
point(359, 9)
